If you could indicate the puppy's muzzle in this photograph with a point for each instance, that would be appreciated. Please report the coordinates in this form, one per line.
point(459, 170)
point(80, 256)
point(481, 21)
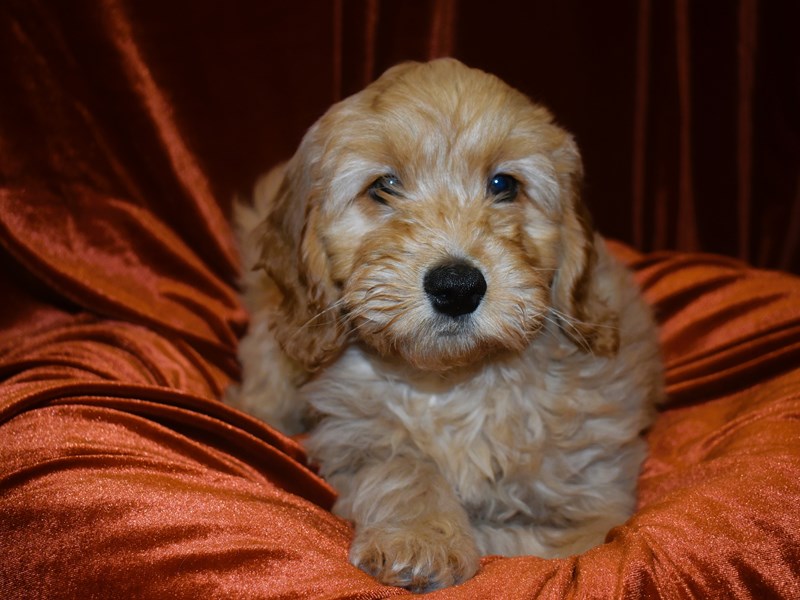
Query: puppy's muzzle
point(454, 289)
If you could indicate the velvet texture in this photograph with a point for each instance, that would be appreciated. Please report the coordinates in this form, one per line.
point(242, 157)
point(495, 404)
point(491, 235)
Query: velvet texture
point(125, 130)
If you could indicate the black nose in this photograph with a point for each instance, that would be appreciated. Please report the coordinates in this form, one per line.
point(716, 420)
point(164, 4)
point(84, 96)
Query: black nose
point(455, 288)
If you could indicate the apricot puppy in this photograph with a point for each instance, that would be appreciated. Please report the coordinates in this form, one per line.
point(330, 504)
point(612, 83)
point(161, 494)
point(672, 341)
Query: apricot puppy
point(426, 288)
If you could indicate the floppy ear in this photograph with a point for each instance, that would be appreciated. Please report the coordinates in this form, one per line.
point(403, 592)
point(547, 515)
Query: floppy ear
point(582, 312)
point(305, 322)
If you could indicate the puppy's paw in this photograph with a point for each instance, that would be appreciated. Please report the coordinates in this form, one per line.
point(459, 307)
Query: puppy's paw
point(421, 557)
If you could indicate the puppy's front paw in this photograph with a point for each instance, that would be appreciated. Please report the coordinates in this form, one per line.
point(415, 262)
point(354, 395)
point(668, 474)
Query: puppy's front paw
point(421, 556)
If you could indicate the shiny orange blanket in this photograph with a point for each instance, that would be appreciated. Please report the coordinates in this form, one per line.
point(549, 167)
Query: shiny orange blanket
point(122, 475)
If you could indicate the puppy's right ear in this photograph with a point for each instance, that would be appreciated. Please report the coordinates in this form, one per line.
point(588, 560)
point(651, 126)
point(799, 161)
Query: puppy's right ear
point(305, 320)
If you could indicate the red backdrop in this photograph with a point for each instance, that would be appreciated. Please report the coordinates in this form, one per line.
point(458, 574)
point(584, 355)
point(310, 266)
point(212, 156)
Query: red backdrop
point(686, 111)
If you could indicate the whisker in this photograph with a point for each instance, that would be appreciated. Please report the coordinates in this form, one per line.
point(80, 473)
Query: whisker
point(334, 306)
point(571, 320)
point(574, 330)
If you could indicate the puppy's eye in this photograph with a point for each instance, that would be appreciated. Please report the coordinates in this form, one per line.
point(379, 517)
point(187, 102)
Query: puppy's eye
point(383, 188)
point(503, 187)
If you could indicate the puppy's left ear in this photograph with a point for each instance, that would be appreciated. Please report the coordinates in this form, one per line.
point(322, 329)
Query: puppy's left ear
point(582, 312)
point(305, 322)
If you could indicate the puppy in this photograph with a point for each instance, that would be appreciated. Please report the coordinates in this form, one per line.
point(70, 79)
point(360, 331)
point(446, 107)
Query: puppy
point(426, 289)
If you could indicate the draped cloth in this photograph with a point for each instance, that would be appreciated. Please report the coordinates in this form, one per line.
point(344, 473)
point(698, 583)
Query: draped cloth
point(122, 475)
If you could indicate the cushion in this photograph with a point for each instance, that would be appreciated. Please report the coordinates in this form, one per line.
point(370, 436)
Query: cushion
point(123, 475)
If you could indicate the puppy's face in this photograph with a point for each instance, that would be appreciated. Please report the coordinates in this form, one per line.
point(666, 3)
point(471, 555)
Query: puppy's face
point(434, 217)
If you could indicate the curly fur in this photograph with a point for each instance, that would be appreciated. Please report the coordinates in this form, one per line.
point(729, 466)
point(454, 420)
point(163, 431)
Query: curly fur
point(514, 429)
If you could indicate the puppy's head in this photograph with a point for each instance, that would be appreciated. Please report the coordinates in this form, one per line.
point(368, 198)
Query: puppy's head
point(434, 216)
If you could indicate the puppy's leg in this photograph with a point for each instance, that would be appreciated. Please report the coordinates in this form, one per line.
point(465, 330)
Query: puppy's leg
point(411, 530)
point(537, 540)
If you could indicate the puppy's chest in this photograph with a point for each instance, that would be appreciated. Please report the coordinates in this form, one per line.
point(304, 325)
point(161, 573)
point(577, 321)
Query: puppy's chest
point(491, 435)
point(485, 440)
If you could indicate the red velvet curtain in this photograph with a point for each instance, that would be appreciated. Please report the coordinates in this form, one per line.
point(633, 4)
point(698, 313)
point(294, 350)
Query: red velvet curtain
point(686, 111)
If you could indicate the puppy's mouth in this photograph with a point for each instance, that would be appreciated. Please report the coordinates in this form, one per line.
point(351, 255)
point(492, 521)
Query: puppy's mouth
point(452, 327)
point(451, 321)
point(455, 292)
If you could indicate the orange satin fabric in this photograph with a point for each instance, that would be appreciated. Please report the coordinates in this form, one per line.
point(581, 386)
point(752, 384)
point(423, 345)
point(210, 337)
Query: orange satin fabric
point(122, 475)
